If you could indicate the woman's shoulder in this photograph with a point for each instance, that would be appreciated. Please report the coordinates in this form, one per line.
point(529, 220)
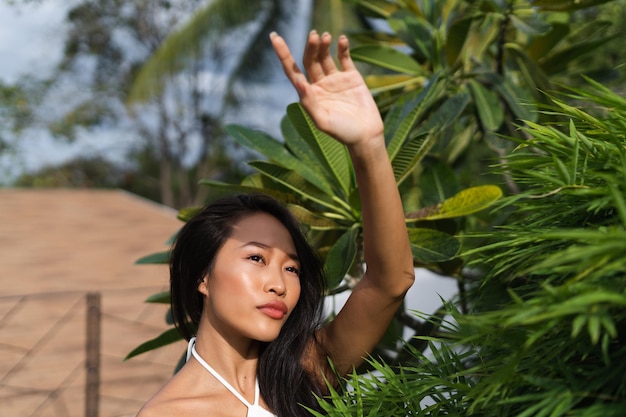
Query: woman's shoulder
point(169, 403)
point(170, 400)
point(186, 395)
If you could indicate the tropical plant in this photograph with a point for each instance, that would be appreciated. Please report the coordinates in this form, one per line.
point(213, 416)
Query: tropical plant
point(312, 173)
point(501, 54)
point(546, 332)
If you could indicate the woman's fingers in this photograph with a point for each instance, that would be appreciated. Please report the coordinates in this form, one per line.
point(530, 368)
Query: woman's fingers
point(328, 65)
point(318, 63)
point(317, 60)
point(311, 60)
point(343, 54)
point(290, 67)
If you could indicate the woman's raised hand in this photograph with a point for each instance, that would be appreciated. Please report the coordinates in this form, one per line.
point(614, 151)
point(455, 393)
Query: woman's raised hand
point(337, 99)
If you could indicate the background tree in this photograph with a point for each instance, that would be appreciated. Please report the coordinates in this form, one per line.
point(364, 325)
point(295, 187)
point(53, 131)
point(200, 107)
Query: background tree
point(180, 125)
point(18, 107)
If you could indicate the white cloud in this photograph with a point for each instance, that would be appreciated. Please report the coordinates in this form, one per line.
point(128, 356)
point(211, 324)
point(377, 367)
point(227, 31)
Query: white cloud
point(31, 37)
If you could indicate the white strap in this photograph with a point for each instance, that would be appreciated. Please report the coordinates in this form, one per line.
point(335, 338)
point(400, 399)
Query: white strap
point(191, 350)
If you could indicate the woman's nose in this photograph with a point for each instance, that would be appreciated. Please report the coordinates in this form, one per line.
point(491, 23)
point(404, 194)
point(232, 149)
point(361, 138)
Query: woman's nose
point(276, 284)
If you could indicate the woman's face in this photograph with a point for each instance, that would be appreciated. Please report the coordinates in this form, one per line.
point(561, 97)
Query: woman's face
point(254, 285)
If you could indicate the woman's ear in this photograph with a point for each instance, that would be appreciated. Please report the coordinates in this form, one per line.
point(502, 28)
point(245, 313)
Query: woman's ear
point(203, 286)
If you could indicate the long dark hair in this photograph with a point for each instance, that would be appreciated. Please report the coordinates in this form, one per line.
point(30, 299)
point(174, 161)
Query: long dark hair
point(284, 383)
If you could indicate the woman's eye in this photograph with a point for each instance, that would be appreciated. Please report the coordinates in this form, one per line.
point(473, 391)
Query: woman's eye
point(256, 258)
point(293, 269)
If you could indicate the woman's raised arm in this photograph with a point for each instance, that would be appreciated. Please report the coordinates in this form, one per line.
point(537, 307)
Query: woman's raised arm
point(341, 105)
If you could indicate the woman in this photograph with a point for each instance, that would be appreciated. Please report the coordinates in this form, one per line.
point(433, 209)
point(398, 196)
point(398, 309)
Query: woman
point(243, 273)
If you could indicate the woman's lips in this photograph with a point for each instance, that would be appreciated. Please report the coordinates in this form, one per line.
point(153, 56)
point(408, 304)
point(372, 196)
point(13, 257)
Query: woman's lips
point(274, 309)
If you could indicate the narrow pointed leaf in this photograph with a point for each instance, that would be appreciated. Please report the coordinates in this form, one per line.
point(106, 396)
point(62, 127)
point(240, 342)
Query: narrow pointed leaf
point(159, 298)
point(406, 113)
point(166, 338)
point(446, 113)
point(340, 258)
point(535, 77)
point(252, 185)
point(466, 202)
point(488, 106)
point(386, 57)
point(430, 246)
point(410, 154)
point(309, 161)
point(415, 31)
point(332, 154)
point(559, 60)
point(260, 142)
point(566, 5)
point(512, 95)
point(542, 45)
point(187, 213)
point(311, 219)
point(296, 183)
point(275, 151)
point(387, 82)
point(155, 258)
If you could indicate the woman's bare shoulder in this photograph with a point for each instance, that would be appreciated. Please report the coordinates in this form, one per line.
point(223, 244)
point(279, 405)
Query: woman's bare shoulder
point(186, 395)
point(170, 400)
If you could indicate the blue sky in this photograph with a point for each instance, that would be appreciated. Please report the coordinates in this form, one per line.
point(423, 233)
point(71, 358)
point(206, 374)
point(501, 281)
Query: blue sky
point(31, 37)
point(31, 42)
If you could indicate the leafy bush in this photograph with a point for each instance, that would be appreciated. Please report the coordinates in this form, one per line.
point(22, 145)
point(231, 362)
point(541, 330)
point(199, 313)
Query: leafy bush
point(546, 334)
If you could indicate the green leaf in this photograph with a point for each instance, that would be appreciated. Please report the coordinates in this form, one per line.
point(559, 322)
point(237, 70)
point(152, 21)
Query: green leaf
point(166, 338)
point(566, 5)
point(406, 113)
point(402, 118)
point(430, 246)
point(311, 219)
point(512, 95)
point(445, 114)
point(541, 46)
point(185, 214)
point(341, 257)
point(410, 154)
point(456, 39)
point(466, 202)
point(481, 35)
point(488, 106)
point(381, 83)
point(534, 76)
point(251, 185)
point(415, 31)
point(260, 142)
point(534, 27)
point(593, 327)
point(159, 298)
point(438, 181)
point(276, 151)
point(558, 61)
point(332, 154)
point(386, 57)
point(155, 258)
point(297, 184)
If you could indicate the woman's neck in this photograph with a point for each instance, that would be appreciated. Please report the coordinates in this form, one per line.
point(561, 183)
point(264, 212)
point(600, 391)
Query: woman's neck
point(235, 358)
